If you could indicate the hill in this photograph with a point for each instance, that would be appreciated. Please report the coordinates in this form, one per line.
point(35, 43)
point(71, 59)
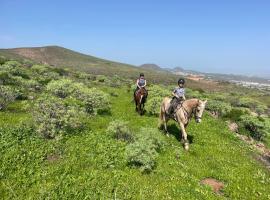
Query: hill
point(151, 66)
point(65, 58)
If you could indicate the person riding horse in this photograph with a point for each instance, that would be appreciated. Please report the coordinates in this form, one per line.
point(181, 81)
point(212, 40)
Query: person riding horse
point(140, 94)
point(141, 84)
point(178, 96)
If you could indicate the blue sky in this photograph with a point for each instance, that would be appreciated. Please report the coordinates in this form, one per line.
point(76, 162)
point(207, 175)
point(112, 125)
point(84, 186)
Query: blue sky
point(223, 36)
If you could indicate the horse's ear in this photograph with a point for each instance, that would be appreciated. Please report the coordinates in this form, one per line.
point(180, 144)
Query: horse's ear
point(205, 101)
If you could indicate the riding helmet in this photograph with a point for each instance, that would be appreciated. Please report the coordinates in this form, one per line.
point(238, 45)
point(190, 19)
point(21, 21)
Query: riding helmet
point(141, 74)
point(181, 81)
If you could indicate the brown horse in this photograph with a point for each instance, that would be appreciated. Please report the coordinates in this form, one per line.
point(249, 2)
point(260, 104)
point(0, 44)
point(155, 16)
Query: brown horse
point(140, 98)
point(183, 115)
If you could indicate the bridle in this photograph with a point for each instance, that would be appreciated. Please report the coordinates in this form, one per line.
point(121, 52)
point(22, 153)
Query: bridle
point(194, 111)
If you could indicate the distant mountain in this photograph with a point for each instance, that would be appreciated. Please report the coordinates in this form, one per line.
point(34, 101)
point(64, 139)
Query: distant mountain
point(151, 66)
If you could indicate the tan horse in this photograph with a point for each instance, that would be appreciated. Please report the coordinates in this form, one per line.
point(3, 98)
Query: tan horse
point(183, 115)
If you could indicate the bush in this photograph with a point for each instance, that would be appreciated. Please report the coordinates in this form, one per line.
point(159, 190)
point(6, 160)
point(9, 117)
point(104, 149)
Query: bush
point(153, 105)
point(13, 63)
point(95, 101)
point(44, 74)
point(120, 131)
point(7, 96)
point(158, 91)
point(62, 88)
point(218, 108)
point(54, 118)
point(257, 126)
point(101, 78)
point(156, 95)
point(236, 113)
point(144, 151)
point(261, 109)
point(192, 94)
point(3, 60)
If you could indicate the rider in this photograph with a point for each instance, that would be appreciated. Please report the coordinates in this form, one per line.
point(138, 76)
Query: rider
point(178, 96)
point(141, 83)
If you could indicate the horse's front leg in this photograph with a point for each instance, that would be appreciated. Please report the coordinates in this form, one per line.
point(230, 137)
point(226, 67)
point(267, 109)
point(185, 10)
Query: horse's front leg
point(141, 109)
point(184, 136)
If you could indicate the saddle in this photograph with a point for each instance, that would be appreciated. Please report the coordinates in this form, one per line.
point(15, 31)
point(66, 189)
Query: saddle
point(175, 104)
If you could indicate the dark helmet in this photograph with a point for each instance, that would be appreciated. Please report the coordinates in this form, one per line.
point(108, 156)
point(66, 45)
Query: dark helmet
point(141, 74)
point(181, 81)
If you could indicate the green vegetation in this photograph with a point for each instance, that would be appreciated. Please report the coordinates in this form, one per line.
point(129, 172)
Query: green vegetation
point(144, 151)
point(100, 148)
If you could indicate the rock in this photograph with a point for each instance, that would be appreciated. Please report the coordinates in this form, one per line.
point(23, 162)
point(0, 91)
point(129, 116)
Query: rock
point(233, 127)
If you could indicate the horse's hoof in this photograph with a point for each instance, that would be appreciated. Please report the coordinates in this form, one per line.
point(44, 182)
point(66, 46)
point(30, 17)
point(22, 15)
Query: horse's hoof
point(186, 146)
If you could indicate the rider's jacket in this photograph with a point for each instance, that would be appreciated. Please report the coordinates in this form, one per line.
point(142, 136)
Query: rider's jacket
point(180, 92)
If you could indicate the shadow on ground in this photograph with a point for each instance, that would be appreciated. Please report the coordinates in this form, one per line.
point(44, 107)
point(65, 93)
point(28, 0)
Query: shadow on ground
point(175, 131)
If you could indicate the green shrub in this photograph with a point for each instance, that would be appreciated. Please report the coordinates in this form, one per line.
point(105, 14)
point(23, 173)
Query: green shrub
point(5, 78)
point(13, 63)
point(32, 85)
point(153, 105)
point(95, 101)
point(155, 97)
point(257, 126)
point(158, 91)
point(43, 74)
point(101, 78)
point(144, 151)
point(3, 60)
point(260, 109)
point(192, 94)
point(236, 113)
point(218, 108)
point(53, 118)
point(120, 131)
point(7, 96)
point(62, 88)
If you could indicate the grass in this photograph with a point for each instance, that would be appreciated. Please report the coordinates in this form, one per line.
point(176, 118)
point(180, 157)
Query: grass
point(92, 165)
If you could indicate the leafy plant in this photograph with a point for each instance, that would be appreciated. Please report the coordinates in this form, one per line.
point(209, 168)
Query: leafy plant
point(257, 126)
point(153, 105)
point(120, 131)
point(144, 151)
point(218, 108)
point(95, 100)
point(156, 95)
point(7, 96)
point(62, 88)
point(53, 118)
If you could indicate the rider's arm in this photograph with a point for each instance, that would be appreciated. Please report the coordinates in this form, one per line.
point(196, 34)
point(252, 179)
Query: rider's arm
point(174, 94)
point(184, 97)
point(138, 83)
point(144, 83)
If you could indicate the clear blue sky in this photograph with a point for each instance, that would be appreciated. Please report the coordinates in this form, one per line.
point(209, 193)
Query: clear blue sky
point(227, 36)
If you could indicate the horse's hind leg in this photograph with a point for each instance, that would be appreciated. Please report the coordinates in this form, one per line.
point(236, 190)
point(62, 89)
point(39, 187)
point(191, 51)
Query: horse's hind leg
point(165, 120)
point(184, 136)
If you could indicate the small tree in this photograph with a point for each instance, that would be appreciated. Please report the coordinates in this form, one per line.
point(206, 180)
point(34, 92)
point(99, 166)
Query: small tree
point(54, 118)
point(7, 96)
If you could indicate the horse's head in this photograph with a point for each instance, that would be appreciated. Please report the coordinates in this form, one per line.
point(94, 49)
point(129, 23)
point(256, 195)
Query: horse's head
point(199, 110)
